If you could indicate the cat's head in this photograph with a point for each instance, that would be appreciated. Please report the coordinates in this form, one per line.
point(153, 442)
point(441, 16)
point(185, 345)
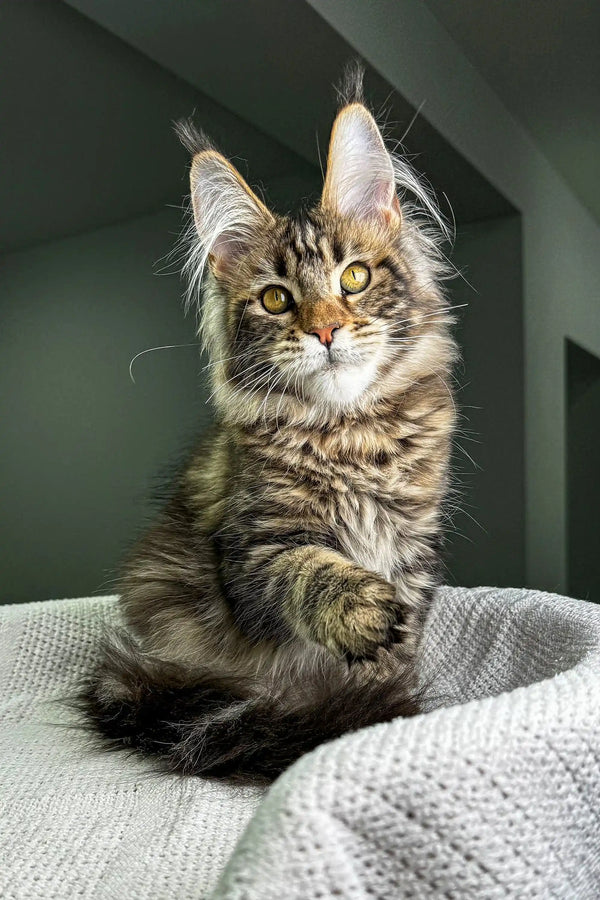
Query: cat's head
point(320, 315)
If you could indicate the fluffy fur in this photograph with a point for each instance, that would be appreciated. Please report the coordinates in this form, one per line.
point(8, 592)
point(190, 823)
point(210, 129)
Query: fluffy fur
point(280, 597)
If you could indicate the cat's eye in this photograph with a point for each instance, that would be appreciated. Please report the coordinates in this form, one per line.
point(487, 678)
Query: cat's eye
point(277, 300)
point(355, 278)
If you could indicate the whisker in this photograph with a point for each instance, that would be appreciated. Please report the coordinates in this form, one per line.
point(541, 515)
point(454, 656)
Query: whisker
point(152, 349)
point(427, 316)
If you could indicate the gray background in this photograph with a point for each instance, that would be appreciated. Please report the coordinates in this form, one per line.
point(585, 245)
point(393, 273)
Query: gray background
point(92, 182)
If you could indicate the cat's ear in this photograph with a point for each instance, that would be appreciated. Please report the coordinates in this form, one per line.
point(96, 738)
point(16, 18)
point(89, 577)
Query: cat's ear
point(227, 213)
point(360, 175)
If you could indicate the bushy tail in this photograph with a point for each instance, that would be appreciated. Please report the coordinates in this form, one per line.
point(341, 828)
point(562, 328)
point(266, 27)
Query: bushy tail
point(209, 726)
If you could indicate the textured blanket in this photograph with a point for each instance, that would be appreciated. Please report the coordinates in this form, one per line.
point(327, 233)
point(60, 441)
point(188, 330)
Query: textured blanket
point(495, 794)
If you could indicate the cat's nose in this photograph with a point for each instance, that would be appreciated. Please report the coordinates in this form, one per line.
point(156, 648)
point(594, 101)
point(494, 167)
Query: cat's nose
point(325, 334)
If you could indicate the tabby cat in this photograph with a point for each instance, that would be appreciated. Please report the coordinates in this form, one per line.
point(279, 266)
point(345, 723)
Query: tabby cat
point(279, 599)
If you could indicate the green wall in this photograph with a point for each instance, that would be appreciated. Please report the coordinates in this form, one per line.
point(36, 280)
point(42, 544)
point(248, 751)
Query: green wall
point(80, 442)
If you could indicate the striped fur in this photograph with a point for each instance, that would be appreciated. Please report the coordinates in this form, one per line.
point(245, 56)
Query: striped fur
point(279, 599)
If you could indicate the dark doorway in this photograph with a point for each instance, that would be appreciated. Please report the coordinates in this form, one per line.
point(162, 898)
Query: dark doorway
point(583, 472)
point(486, 534)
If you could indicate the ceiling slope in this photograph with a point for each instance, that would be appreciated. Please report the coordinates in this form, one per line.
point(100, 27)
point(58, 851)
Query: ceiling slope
point(542, 59)
point(274, 64)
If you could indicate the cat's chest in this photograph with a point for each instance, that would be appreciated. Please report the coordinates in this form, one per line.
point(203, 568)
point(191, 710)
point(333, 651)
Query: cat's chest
point(369, 531)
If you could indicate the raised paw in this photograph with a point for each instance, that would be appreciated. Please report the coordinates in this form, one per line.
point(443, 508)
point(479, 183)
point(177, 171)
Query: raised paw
point(363, 617)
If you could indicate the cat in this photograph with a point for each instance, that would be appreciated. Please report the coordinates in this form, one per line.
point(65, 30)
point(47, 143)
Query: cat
point(279, 599)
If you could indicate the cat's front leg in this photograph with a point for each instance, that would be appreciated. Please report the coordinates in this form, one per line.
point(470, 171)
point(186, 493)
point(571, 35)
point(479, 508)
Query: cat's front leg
point(338, 604)
point(323, 597)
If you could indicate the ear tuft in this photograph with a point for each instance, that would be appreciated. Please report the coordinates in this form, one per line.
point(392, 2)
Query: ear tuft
point(193, 138)
point(350, 88)
point(360, 179)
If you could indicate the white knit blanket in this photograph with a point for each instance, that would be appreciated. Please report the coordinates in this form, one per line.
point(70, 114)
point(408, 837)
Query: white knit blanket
point(495, 795)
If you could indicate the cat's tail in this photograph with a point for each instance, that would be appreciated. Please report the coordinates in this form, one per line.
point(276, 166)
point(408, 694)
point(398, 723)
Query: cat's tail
point(211, 726)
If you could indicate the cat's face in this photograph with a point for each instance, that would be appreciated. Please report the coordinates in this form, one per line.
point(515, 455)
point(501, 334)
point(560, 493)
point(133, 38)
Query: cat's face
point(330, 310)
point(315, 309)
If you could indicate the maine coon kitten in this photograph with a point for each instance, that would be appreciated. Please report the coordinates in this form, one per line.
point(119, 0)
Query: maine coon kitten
point(279, 600)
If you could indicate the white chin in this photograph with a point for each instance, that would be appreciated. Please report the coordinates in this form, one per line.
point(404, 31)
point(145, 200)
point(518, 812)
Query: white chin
point(339, 386)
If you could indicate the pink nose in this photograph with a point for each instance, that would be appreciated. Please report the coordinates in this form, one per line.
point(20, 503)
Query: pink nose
point(325, 334)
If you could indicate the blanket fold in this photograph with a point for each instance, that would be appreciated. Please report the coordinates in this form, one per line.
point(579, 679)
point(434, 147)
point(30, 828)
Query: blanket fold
point(493, 792)
point(495, 795)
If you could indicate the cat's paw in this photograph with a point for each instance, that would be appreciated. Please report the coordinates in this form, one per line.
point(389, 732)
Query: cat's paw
point(363, 618)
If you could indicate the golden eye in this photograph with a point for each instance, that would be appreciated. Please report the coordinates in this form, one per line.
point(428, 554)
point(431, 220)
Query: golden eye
point(277, 300)
point(355, 278)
